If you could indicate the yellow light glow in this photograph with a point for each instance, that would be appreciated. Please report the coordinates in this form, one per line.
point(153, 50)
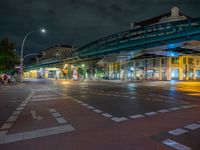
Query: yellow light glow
point(53, 68)
point(194, 94)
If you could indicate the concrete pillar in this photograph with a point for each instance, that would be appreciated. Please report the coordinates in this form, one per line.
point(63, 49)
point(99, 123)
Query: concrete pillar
point(160, 69)
point(194, 72)
point(168, 68)
point(180, 68)
point(134, 70)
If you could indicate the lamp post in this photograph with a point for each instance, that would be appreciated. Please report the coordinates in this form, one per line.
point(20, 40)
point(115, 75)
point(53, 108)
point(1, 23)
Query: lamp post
point(22, 50)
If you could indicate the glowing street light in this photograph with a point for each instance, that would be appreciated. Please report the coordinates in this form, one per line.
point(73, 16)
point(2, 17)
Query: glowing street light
point(42, 30)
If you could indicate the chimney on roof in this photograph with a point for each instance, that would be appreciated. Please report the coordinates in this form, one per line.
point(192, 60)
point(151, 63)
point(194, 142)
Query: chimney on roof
point(175, 12)
point(132, 25)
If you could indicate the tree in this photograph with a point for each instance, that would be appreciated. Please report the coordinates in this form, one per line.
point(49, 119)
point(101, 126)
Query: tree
point(8, 57)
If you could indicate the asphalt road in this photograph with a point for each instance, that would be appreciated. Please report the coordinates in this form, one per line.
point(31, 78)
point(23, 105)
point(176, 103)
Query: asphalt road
point(84, 115)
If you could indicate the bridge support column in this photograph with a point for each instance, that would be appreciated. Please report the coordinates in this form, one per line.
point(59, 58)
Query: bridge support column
point(180, 73)
point(134, 70)
point(160, 69)
point(169, 69)
point(194, 72)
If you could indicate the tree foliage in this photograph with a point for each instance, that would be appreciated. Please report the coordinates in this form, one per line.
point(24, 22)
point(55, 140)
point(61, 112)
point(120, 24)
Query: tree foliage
point(8, 56)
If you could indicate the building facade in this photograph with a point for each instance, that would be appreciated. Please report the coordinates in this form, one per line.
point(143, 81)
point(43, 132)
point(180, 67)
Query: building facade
point(157, 68)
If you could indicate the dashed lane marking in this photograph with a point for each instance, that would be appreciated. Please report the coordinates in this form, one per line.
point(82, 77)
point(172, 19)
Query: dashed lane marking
point(177, 131)
point(106, 115)
point(175, 108)
point(56, 114)
point(192, 126)
point(97, 111)
point(9, 123)
point(119, 119)
point(6, 126)
point(137, 116)
point(61, 120)
point(12, 119)
point(163, 111)
point(151, 113)
point(176, 145)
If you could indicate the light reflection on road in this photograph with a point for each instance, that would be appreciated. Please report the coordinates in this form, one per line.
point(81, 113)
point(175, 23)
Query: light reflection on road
point(190, 88)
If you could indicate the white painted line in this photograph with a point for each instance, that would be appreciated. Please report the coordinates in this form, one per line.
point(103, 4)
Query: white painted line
point(90, 107)
point(22, 105)
point(6, 126)
point(41, 96)
point(29, 96)
point(151, 113)
point(20, 108)
point(61, 120)
point(177, 131)
point(176, 145)
point(97, 111)
point(163, 111)
point(16, 113)
point(12, 119)
point(80, 102)
point(119, 119)
point(36, 133)
point(133, 97)
point(175, 108)
point(137, 116)
point(13, 138)
point(192, 126)
point(49, 99)
point(25, 102)
point(194, 105)
point(106, 115)
point(84, 104)
point(3, 133)
point(187, 106)
point(56, 114)
point(52, 110)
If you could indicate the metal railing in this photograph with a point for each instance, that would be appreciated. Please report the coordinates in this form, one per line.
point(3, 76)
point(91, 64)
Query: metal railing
point(140, 36)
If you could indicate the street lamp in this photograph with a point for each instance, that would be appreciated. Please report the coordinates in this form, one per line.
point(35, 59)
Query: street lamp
point(42, 30)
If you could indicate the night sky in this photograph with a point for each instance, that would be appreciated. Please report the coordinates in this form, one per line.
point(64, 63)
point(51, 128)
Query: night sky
point(78, 22)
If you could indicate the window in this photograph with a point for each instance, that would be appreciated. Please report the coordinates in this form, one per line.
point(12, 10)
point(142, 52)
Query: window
point(190, 61)
point(137, 63)
point(184, 61)
point(174, 60)
point(198, 62)
point(148, 62)
point(164, 62)
point(155, 62)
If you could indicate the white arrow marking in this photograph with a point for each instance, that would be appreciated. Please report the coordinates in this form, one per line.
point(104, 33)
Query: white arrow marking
point(35, 116)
